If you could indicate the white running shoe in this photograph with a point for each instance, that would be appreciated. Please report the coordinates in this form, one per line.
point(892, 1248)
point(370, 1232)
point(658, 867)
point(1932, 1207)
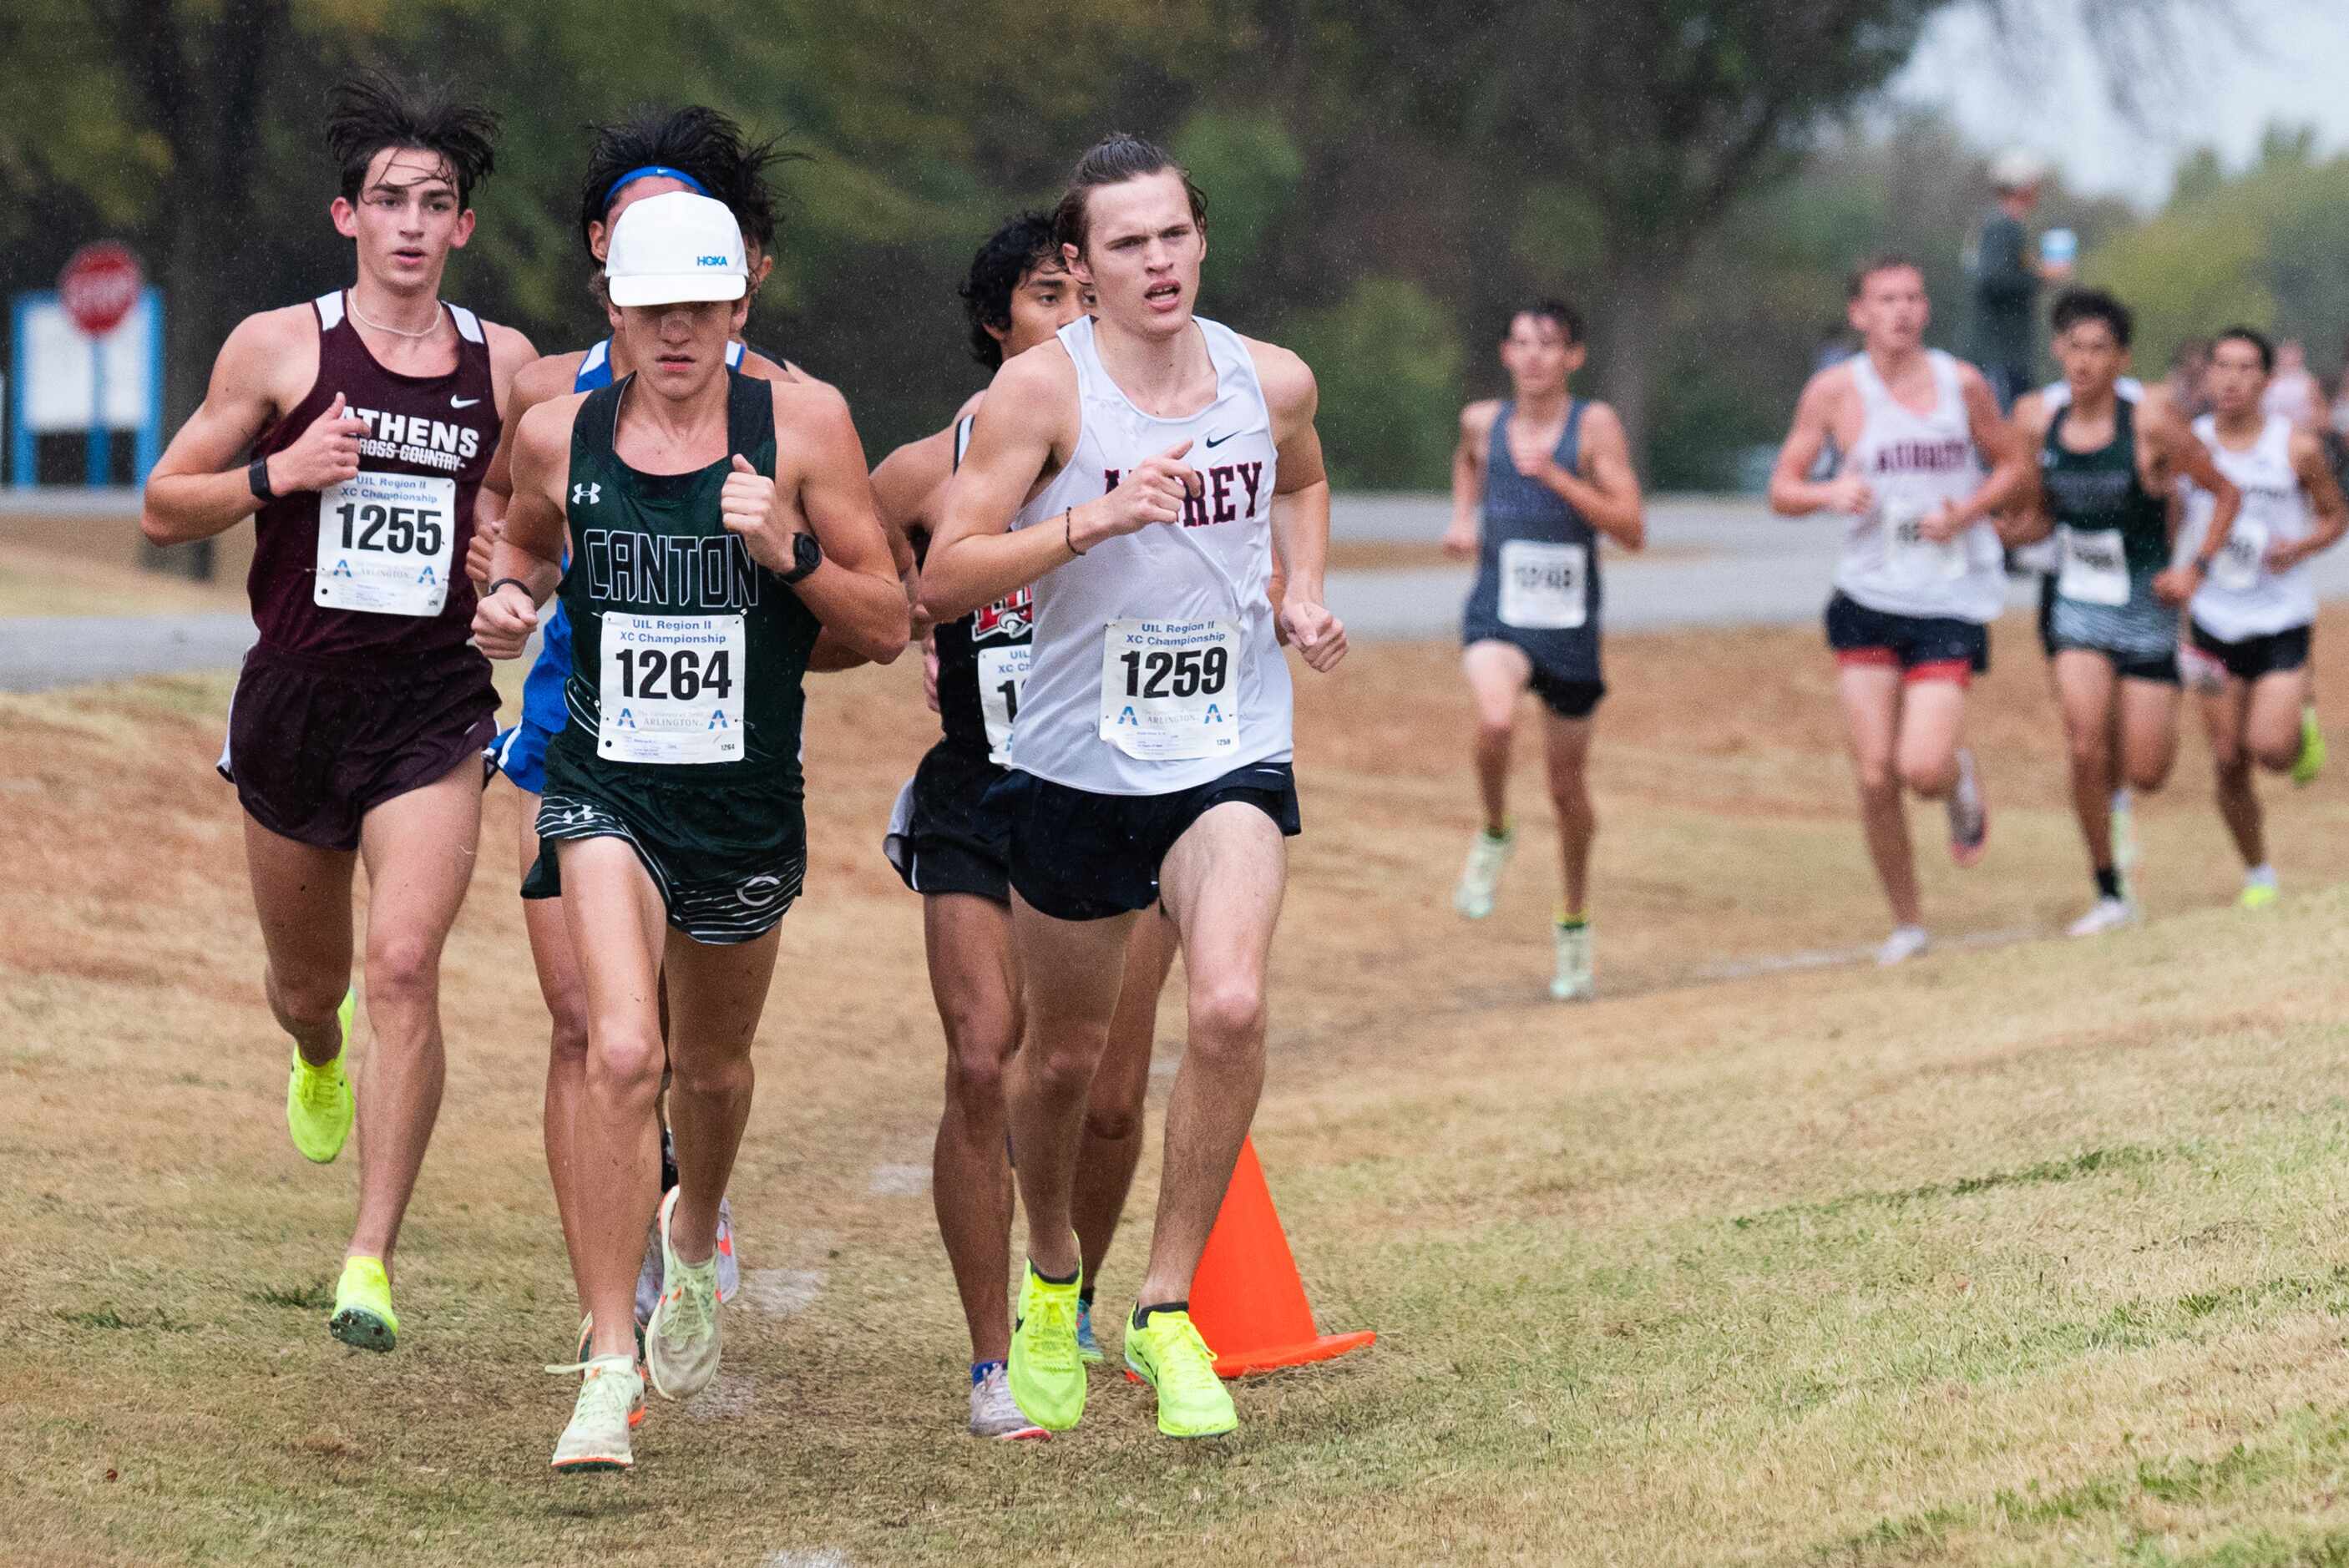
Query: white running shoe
point(1904, 943)
point(1573, 980)
point(1969, 813)
point(1481, 877)
point(681, 1342)
point(2107, 914)
point(994, 1413)
point(649, 1277)
point(611, 1400)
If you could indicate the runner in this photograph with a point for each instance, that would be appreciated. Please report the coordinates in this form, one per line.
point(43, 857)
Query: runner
point(1558, 476)
point(1921, 581)
point(1153, 751)
point(672, 816)
point(354, 430)
point(947, 841)
point(2107, 466)
point(2254, 614)
point(700, 150)
point(2044, 557)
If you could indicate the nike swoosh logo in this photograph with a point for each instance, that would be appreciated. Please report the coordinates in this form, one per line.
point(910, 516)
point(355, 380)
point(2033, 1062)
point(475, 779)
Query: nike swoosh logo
point(1215, 441)
point(462, 402)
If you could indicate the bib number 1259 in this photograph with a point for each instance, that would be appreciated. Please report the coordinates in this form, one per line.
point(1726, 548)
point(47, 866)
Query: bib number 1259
point(1167, 688)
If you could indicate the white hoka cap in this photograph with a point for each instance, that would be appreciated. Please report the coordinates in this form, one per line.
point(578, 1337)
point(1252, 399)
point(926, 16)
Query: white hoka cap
point(2018, 169)
point(673, 249)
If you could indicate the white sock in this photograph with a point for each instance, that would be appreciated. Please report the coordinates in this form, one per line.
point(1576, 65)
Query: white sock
point(2121, 799)
point(2260, 876)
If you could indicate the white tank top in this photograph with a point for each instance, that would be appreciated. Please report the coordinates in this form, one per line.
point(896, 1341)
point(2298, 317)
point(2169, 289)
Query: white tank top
point(2241, 597)
point(1914, 462)
point(1155, 665)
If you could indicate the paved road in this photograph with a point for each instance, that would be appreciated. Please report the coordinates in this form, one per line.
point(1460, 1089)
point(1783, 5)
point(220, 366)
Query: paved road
point(1717, 561)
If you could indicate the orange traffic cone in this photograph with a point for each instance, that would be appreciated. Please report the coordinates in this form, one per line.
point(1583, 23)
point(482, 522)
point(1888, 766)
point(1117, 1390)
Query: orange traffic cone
point(1245, 1297)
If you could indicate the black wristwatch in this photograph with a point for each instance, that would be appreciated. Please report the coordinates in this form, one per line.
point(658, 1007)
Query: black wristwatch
point(806, 556)
point(256, 476)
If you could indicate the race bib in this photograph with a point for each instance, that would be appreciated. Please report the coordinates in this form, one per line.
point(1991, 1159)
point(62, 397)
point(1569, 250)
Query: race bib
point(1170, 688)
point(1542, 586)
point(673, 688)
point(1002, 673)
point(1910, 557)
point(2239, 564)
point(385, 542)
point(2096, 567)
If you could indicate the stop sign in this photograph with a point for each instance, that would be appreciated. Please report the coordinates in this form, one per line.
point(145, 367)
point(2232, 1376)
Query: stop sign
point(99, 285)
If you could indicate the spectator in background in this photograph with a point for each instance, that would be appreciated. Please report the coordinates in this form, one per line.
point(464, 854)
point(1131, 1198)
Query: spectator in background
point(2293, 391)
point(2007, 270)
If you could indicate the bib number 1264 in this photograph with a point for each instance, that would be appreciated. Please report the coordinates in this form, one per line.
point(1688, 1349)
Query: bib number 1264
point(672, 689)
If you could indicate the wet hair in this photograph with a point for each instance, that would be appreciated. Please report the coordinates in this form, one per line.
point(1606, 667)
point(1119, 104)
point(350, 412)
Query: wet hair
point(695, 140)
point(1011, 255)
point(372, 111)
point(1113, 160)
point(2256, 338)
point(1882, 262)
point(2075, 306)
point(1549, 308)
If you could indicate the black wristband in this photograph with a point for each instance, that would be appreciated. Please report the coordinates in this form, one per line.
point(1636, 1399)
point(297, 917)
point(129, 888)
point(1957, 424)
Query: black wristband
point(256, 477)
point(1069, 532)
point(491, 590)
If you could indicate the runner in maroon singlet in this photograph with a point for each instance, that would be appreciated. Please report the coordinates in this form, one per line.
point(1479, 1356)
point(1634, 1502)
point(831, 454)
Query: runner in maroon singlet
point(355, 430)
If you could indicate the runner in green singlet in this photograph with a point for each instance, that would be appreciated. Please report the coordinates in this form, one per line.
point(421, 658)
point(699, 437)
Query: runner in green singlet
point(717, 523)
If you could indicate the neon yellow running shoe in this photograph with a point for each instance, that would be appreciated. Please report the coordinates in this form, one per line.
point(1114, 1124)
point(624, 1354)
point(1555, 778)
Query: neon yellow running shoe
point(318, 1102)
point(1168, 1354)
point(2311, 760)
point(1047, 1375)
point(2256, 895)
point(363, 1315)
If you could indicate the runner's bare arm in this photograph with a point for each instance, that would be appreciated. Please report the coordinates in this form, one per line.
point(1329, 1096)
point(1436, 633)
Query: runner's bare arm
point(821, 486)
point(1468, 477)
point(899, 498)
point(537, 382)
point(1300, 507)
point(529, 551)
point(1610, 498)
point(901, 549)
point(509, 354)
point(2172, 451)
point(1793, 493)
point(198, 487)
point(974, 557)
point(2323, 487)
point(2026, 520)
point(2009, 460)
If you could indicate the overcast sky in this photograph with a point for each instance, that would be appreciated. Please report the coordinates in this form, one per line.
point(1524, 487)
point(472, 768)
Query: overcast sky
point(2295, 67)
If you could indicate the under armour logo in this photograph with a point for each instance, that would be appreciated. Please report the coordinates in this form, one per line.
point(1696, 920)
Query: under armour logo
point(586, 495)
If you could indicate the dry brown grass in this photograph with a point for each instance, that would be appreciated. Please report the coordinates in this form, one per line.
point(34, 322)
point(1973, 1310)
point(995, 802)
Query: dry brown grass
point(2027, 1254)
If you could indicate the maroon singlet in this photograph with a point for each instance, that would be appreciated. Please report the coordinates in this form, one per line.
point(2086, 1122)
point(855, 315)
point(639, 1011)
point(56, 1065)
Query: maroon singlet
point(398, 534)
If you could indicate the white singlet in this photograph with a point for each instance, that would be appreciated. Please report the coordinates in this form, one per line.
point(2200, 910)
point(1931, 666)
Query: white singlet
point(1155, 665)
point(1915, 462)
point(2240, 598)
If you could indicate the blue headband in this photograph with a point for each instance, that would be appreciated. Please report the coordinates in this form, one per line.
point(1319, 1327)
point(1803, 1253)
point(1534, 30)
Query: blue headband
point(649, 171)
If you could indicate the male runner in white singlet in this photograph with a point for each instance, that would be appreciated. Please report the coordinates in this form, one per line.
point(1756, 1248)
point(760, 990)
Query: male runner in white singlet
point(1140, 471)
point(1928, 463)
point(2251, 623)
